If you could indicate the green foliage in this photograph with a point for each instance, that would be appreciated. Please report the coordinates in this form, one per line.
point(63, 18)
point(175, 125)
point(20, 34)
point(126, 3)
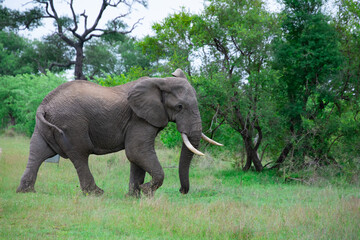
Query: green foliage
point(51, 53)
point(115, 80)
point(113, 54)
point(172, 43)
point(235, 37)
point(288, 79)
point(348, 28)
point(99, 59)
point(237, 32)
point(13, 19)
point(14, 57)
point(132, 55)
point(19, 55)
point(21, 95)
point(308, 57)
point(111, 81)
point(170, 136)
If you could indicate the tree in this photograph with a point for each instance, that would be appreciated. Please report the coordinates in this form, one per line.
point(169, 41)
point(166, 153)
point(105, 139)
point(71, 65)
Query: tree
point(13, 54)
point(51, 54)
point(232, 38)
point(14, 48)
point(100, 58)
point(14, 19)
point(131, 55)
point(307, 55)
point(348, 88)
point(19, 55)
point(348, 27)
point(67, 28)
point(172, 43)
point(113, 55)
point(235, 37)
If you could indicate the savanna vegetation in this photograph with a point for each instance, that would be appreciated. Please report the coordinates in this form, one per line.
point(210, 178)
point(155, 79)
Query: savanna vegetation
point(223, 203)
point(279, 89)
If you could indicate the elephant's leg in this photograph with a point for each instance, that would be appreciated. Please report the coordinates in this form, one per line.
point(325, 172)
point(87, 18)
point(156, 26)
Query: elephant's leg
point(137, 176)
point(148, 161)
point(87, 182)
point(155, 170)
point(39, 152)
point(139, 148)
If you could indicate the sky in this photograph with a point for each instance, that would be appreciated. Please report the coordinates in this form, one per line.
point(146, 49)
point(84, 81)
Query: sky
point(156, 11)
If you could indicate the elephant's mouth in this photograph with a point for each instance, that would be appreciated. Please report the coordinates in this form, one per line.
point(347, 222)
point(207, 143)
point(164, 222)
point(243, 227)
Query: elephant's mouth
point(192, 148)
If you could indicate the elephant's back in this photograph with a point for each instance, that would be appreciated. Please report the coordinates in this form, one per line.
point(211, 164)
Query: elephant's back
point(77, 102)
point(79, 92)
point(73, 90)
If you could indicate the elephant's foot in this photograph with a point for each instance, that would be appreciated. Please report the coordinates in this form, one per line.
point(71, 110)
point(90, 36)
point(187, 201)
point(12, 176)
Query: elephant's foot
point(96, 191)
point(133, 193)
point(147, 190)
point(25, 189)
point(26, 185)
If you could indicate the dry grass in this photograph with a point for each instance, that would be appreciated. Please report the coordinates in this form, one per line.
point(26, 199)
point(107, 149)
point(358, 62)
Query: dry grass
point(222, 203)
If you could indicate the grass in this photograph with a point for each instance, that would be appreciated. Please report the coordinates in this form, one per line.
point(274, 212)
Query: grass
point(222, 203)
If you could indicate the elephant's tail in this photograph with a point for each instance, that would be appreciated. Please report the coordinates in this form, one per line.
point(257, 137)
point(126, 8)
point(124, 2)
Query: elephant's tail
point(52, 134)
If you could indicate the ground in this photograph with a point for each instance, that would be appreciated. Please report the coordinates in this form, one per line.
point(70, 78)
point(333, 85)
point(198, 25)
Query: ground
point(223, 203)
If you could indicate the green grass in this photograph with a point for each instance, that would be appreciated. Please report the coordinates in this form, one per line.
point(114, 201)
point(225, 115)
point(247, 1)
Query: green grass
point(222, 203)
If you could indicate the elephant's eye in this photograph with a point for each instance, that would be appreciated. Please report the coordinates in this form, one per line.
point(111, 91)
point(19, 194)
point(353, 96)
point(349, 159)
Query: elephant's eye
point(179, 107)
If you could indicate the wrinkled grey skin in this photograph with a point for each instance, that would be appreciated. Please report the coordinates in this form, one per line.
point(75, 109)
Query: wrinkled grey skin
point(80, 118)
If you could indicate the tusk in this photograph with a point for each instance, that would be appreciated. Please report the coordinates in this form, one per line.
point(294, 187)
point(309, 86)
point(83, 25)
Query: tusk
point(209, 140)
point(190, 146)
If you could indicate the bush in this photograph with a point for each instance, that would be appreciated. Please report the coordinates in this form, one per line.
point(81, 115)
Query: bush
point(170, 136)
point(21, 95)
point(115, 80)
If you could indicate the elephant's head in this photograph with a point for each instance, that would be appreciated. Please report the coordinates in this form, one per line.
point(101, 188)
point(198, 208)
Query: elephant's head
point(160, 100)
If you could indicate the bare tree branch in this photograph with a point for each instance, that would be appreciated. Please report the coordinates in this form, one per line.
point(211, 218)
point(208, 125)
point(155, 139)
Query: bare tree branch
point(85, 19)
point(65, 65)
point(105, 31)
point(102, 9)
point(55, 13)
point(116, 4)
point(89, 32)
point(47, 9)
point(74, 17)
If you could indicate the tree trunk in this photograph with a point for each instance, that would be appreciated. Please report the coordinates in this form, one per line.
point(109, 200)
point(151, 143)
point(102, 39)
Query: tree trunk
point(295, 130)
point(12, 120)
point(283, 155)
point(251, 150)
point(79, 75)
point(251, 156)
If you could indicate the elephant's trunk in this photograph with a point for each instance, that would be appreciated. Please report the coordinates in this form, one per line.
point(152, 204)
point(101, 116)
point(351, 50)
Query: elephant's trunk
point(185, 160)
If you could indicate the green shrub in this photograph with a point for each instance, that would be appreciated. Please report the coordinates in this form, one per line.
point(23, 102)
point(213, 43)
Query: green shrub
point(21, 95)
point(115, 80)
point(170, 136)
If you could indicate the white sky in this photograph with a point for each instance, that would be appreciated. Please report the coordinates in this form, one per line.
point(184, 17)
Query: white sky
point(156, 11)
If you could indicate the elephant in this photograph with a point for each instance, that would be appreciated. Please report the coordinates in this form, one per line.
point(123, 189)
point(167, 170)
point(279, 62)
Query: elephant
point(80, 118)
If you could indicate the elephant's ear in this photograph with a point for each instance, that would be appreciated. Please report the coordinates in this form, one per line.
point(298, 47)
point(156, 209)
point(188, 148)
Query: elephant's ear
point(179, 73)
point(145, 99)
